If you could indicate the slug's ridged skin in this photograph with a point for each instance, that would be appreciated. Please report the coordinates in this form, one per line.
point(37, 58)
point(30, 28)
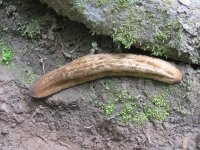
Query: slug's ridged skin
point(93, 67)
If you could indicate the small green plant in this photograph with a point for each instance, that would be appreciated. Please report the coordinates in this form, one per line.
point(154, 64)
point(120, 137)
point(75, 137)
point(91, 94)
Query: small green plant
point(6, 55)
point(155, 113)
point(109, 108)
point(126, 112)
point(162, 37)
point(129, 108)
point(159, 110)
point(123, 3)
point(125, 37)
point(31, 29)
point(122, 96)
point(140, 118)
point(158, 51)
point(160, 102)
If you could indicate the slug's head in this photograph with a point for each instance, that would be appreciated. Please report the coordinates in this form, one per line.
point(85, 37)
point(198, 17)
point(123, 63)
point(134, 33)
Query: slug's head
point(40, 89)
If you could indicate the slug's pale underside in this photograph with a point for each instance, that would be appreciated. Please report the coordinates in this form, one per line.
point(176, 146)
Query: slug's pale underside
point(93, 67)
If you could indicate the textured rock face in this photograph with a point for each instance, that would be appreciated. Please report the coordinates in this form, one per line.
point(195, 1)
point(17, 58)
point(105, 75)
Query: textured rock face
point(167, 28)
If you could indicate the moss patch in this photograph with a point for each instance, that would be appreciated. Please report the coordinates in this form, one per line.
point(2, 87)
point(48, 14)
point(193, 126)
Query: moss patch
point(29, 29)
point(6, 54)
point(141, 24)
point(127, 108)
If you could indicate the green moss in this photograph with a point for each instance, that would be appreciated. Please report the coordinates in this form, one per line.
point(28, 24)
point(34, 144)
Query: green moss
point(159, 51)
point(123, 95)
point(158, 108)
point(109, 108)
point(29, 29)
point(162, 37)
point(101, 3)
point(140, 118)
point(160, 102)
point(122, 3)
point(6, 54)
point(126, 112)
point(79, 5)
point(141, 26)
point(124, 36)
point(128, 108)
point(119, 4)
point(155, 113)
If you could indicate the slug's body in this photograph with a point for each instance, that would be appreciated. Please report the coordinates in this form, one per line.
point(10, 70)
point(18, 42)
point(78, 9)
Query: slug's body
point(93, 67)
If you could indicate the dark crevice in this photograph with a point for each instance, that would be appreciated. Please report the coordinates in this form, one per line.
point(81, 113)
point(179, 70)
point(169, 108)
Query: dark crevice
point(195, 66)
point(139, 51)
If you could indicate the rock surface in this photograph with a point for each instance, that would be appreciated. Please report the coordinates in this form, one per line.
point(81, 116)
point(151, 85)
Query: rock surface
point(170, 29)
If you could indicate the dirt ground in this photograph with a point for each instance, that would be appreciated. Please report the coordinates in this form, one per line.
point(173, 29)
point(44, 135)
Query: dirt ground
point(76, 118)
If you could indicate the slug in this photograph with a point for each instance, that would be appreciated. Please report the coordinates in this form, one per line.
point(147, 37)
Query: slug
point(97, 66)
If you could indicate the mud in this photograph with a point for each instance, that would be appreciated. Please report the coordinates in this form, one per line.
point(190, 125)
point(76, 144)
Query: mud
point(75, 118)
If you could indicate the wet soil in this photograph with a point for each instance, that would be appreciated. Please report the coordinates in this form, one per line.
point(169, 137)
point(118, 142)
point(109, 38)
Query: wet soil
point(41, 41)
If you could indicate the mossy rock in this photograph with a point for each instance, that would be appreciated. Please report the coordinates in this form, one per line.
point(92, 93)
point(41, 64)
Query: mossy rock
point(168, 29)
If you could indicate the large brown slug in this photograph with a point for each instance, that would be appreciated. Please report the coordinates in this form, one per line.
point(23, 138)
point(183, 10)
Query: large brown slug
point(93, 67)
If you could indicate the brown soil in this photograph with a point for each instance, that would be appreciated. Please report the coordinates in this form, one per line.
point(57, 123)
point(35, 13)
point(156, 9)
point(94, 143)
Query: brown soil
point(71, 119)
